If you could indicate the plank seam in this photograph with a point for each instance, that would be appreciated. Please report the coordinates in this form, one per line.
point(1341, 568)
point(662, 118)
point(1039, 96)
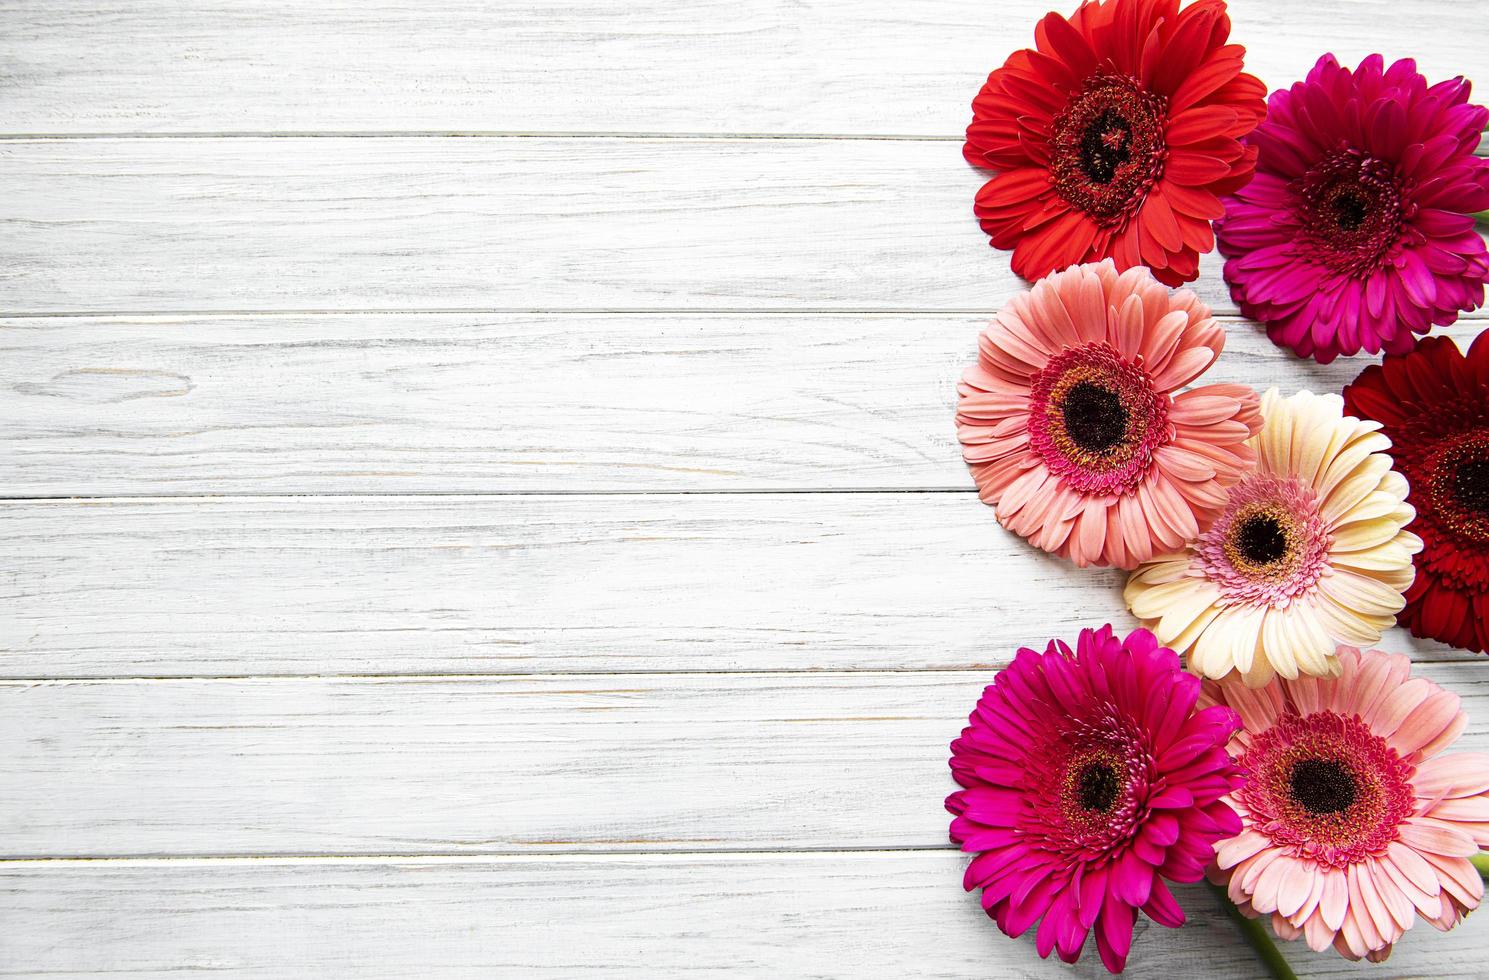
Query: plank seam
point(1225, 316)
point(445, 857)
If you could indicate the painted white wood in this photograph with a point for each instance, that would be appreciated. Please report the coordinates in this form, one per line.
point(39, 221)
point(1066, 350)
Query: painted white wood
point(531, 584)
point(596, 642)
point(849, 915)
point(509, 402)
point(448, 766)
point(212, 225)
point(649, 66)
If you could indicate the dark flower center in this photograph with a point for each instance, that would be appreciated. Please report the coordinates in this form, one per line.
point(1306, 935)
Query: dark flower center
point(1323, 786)
point(1458, 485)
point(1261, 539)
point(1106, 144)
point(1096, 787)
point(1094, 416)
point(1471, 485)
point(1350, 210)
point(1107, 147)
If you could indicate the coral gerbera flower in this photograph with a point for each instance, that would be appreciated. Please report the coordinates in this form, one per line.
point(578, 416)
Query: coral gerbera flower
point(1434, 404)
point(1354, 824)
point(1357, 232)
point(1090, 780)
point(1115, 137)
point(1309, 552)
point(1071, 426)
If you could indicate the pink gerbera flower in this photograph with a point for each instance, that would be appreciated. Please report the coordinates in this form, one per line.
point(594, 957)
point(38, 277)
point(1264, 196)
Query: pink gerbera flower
point(1090, 778)
point(1071, 426)
point(1354, 824)
point(1357, 230)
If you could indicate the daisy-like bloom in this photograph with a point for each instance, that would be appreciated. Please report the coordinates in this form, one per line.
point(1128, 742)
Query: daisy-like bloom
point(1356, 231)
point(1310, 551)
point(1090, 779)
point(1115, 137)
point(1071, 426)
point(1434, 404)
point(1354, 823)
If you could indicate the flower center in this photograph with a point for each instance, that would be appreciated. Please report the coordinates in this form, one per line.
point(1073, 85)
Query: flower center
point(1459, 486)
point(1095, 419)
point(1268, 546)
point(1093, 776)
point(1471, 485)
point(1323, 786)
point(1096, 787)
point(1352, 211)
point(1261, 539)
point(1107, 147)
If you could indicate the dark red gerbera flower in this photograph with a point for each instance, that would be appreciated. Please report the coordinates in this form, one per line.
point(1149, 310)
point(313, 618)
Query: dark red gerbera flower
point(1115, 138)
point(1434, 405)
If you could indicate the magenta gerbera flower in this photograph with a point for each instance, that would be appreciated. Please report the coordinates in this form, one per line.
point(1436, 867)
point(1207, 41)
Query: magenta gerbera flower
point(1357, 231)
point(1090, 780)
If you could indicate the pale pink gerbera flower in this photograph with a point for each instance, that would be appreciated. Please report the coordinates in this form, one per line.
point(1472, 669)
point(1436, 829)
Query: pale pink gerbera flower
point(1070, 421)
point(1309, 552)
point(1354, 824)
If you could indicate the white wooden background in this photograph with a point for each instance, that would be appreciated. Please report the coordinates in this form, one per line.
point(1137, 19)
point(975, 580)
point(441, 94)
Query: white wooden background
point(481, 496)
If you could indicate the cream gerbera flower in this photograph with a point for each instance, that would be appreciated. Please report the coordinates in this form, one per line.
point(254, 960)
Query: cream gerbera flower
point(1308, 553)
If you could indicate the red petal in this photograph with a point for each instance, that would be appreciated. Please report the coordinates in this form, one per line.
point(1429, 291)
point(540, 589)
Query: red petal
point(1192, 201)
point(1202, 82)
point(1199, 124)
point(1188, 44)
point(1055, 34)
point(1158, 218)
point(1193, 170)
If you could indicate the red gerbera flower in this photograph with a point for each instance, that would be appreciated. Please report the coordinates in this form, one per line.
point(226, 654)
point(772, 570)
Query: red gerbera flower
point(1115, 138)
point(1434, 406)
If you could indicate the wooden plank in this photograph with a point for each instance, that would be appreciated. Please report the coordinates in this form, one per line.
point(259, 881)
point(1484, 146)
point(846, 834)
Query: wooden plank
point(335, 224)
point(871, 914)
point(508, 402)
point(650, 66)
point(529, 584)
point(411, 766)
point(213, 225)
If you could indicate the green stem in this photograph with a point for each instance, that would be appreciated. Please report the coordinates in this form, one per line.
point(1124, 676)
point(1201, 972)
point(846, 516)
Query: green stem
point(1481, 216)
point(1257, 937)
point(1481, 861)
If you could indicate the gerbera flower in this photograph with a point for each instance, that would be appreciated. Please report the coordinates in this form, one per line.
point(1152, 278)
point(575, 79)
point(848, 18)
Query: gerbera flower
point(1354, 823)
point(1309, 552)
point(1356, 231)
point(1090, 780)
point(1434, 404)
point(1071, 426)
point(1115, 137)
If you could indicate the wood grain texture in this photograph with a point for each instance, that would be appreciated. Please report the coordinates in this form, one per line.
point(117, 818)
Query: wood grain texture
point(318, 224)
point(528, 224)
point(212, 225)
point(531, 584)
point(843, 915)
point(507, 403)
point(712, 66)
point(428, 766)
